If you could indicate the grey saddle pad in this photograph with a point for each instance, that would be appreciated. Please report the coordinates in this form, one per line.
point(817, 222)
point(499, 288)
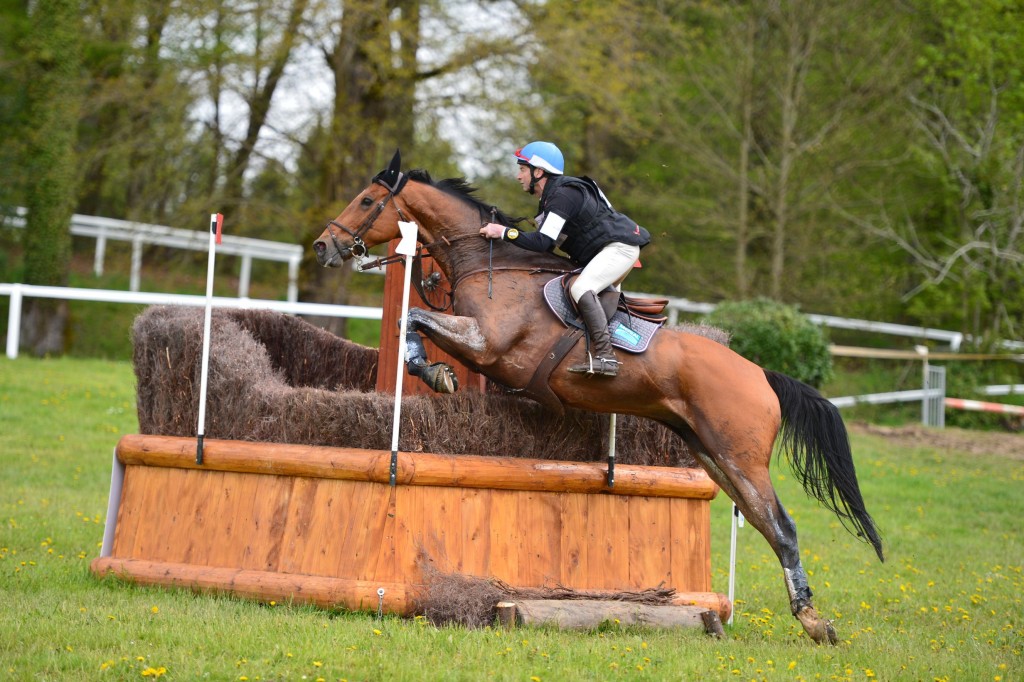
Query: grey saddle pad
point(631, 334)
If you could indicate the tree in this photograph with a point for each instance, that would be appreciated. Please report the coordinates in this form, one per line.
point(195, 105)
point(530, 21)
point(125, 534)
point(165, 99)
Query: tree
point(14, 23)
point(373, 49)
point(134, 140)
point(783, 109)
point(730, 130)
point(961, 226)
point(53, 99)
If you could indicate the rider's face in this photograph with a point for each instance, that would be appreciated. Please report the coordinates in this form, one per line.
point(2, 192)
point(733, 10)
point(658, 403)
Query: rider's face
point(524, 178)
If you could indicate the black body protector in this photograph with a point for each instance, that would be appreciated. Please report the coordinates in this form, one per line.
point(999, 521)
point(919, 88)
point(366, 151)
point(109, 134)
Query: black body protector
point(590, 224)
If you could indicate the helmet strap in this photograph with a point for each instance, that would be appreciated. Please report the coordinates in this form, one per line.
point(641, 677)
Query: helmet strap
point(534, 179)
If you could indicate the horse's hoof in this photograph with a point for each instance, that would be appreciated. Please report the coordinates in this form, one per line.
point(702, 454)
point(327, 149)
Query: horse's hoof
point(440, 378)
point(816, 627)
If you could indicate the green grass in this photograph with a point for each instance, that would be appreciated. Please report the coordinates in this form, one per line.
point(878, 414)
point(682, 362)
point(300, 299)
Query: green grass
point(946, 605)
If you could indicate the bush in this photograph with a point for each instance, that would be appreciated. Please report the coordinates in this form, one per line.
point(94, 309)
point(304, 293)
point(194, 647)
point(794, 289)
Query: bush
point(776, 336)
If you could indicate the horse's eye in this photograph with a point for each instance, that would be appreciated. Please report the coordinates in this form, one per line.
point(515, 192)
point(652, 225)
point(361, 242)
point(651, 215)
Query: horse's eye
point(367, 202)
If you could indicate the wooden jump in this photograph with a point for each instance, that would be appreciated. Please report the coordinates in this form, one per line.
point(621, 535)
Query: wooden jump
point(322, 525)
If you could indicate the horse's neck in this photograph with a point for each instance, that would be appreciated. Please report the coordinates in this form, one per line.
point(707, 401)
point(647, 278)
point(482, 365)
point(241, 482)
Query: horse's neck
point(459, 250)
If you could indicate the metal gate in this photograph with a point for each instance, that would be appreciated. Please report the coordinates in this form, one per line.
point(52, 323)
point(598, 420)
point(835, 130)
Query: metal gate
point(933, 404)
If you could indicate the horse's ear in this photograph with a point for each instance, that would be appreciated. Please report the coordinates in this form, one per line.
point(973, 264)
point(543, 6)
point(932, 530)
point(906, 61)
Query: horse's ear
point(392, 176)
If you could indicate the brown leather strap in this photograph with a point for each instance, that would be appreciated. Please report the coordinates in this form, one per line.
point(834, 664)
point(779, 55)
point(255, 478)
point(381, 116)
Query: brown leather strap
point(538, 388)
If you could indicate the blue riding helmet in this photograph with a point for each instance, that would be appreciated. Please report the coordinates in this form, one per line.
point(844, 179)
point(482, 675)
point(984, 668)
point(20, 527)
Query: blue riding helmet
point(543, 155)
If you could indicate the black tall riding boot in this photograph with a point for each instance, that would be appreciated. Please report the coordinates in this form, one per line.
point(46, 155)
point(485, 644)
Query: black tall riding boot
point(602, 358)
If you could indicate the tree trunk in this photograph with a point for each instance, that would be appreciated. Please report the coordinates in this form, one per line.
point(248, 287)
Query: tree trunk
point(54, 102)
point(746, 87)
point(374, 87)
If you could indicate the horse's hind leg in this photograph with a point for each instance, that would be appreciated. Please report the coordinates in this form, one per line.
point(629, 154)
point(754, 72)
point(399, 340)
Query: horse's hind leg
point(744, 477)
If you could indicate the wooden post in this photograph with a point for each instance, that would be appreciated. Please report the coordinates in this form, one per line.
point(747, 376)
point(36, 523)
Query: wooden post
point(389, 341)
point(506, 614)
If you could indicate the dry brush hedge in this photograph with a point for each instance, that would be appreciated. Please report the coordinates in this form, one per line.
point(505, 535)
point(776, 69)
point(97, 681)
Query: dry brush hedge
point(275, 378)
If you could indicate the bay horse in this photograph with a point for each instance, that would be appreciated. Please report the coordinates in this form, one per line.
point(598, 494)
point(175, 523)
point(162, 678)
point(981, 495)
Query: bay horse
point(727, 409)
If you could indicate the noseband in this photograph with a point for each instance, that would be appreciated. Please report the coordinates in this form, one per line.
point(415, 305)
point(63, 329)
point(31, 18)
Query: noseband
point(359, 248)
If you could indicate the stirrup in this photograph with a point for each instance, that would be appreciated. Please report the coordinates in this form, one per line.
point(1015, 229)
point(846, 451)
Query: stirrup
point(607, 367)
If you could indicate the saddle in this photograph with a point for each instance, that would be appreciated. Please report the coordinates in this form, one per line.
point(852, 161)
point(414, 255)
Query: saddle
point(632, 321)
point(632, 324)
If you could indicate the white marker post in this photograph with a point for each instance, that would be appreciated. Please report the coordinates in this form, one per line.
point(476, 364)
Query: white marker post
point(737, 523)
point(216, 223)
point(407, 248)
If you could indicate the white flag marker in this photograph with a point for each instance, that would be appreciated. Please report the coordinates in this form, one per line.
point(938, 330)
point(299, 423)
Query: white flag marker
point(407, 248)
point(216, 223)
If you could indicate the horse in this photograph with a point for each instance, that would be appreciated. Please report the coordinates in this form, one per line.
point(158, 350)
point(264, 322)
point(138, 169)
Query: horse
point(728, 410)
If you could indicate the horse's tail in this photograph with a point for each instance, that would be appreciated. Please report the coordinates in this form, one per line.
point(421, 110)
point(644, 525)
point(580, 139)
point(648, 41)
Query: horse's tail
point(814, 436)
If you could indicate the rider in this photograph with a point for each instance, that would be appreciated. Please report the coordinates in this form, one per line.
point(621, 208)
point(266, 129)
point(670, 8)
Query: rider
point(576, 217)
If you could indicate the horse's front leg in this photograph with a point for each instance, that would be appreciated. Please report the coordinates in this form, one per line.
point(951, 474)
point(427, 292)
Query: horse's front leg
point(459, 336)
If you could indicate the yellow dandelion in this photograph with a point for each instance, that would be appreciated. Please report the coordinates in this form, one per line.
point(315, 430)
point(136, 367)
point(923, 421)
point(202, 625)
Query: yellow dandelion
point(318, 664)
point(155, 609)
point(376, 632)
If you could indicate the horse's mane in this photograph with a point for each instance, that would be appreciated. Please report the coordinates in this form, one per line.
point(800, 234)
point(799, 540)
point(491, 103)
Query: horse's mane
point(462, 189)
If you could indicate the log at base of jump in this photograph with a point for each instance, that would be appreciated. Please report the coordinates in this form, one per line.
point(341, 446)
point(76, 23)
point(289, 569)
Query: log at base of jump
point(589, 614)
point(265, 586)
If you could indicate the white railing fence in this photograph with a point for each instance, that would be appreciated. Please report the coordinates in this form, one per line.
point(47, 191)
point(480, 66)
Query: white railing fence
point(18, 292)
point(932, 395)
point(952, 339)
point(141, 234)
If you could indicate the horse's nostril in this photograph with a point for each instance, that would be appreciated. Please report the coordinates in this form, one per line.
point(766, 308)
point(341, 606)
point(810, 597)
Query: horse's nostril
point(319, 247)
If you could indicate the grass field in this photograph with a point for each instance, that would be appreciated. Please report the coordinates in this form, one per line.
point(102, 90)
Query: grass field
point(947, 604)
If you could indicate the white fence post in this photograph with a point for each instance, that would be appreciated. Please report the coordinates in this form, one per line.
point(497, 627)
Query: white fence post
point(293, 279)
point(136, 274)
point(243, 277)
point(101, 248)
point(925, 417)
point(14, 322)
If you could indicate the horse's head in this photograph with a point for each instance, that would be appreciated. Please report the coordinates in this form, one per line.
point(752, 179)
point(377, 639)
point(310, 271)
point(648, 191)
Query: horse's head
point(369, 219)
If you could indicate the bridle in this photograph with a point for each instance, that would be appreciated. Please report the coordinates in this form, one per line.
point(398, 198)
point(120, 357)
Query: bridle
point(358, 247)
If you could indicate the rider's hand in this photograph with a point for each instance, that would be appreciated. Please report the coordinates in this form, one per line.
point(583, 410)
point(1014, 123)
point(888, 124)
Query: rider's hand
point(492, 231)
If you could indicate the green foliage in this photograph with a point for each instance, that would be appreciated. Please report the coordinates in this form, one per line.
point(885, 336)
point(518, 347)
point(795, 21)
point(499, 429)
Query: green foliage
point(776, 336)
point(54, 99)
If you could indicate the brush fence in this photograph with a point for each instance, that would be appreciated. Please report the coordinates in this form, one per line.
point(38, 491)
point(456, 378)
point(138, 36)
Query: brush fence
point(322, 525)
